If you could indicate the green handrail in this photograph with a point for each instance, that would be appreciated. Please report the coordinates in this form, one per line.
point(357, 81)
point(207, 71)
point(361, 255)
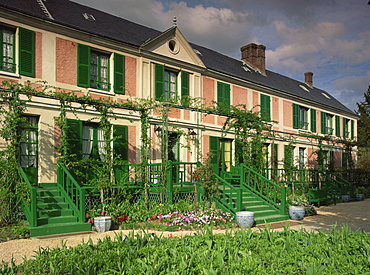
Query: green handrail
point(72, 191)
point(341, 182)
point(231, 197)
point(29, 209)
point(266, 189)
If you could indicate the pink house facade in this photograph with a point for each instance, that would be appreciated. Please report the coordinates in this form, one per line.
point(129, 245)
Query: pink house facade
point(71, 48)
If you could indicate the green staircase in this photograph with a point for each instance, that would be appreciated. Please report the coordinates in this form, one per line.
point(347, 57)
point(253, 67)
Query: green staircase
point(243, 189)
point(263, 211)
point(54, 214)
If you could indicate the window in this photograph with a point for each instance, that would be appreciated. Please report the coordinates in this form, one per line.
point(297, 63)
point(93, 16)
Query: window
point(28, 144)
point(26, 51)
point(86, 140)
point(346, 125)
point(28, 148)
point(99, 71)
point(223, 94)
point(93, 143)
point(166, 84)
point(326, 123)
point(94, 70)
point(7, 50)
point(300, 117)
point(265, 103)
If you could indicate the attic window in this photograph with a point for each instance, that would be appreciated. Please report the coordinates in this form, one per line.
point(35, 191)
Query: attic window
point(88, 16)
point(197, 52)
point(304, 88)
point(324, 94)
point(173, 46)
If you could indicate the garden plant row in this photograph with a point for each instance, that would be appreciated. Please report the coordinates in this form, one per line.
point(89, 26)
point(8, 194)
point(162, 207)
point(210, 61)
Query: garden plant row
point(339, 251)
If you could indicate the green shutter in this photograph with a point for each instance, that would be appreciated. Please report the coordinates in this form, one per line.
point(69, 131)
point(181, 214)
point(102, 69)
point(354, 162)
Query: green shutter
point(184, 84)
point(214, 150)
point(313, 120)
point(83, 66)
point(337, 126)
point(159, 82)
point(296, 122)
point(120, 143)
point(120, 152)
point(74, 137)
point(352, 129)
point(185, 88)
point(223, 93)
point(345, 128)
point(324, 129)
point(119, 74)
point(26, 52)
point(265, 107)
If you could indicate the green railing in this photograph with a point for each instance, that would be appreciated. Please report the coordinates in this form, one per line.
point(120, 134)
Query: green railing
point(231, 196)
point(266, 189)
point(335, 182)
point(72, 192)
point(29, 207)
point(178, 179)
point(298, 177)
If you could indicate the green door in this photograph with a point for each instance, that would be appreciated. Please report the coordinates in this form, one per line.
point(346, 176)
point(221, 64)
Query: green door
point(174, 155)
point(28, 151)
point(221, 154)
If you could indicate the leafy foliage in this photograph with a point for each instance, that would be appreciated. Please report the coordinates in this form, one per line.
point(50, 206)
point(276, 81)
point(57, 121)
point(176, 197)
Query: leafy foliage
point(239, 252)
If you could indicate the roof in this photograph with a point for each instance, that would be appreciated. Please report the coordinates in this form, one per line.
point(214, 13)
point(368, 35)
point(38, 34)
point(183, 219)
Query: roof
point(70, 14)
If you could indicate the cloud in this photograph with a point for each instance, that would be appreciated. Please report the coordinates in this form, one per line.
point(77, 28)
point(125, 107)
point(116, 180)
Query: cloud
point(350, 90)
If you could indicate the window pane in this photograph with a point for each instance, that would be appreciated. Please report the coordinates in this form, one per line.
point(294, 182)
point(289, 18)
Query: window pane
point(7, 50)
point(93, 70)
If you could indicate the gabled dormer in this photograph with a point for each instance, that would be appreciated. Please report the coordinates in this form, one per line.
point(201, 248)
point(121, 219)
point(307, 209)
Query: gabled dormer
point(172, 44)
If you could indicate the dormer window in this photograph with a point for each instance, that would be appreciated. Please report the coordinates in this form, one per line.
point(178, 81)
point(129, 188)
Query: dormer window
point(88, 16)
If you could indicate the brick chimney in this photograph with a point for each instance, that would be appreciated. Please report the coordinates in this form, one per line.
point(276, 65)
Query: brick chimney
point(254, 56)
point(308, 78)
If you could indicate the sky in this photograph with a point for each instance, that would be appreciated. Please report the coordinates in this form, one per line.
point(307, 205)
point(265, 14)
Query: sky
point(331, 38)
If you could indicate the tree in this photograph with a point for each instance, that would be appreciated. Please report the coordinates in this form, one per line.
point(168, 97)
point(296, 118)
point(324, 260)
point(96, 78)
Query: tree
point(363, 131)
point(364, 121)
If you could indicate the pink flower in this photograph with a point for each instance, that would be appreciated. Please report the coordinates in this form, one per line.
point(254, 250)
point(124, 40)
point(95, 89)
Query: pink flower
point(87, 215)
point(102, 213)
point(168, 223)
point(169, 218)
point(154, 217)
point(169, 235)
point(89, 221)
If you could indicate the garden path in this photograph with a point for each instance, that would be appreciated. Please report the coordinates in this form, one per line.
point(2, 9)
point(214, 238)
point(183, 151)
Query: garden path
point(355, 214)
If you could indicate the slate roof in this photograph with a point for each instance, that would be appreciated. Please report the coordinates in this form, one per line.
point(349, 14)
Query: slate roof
point(70, 14)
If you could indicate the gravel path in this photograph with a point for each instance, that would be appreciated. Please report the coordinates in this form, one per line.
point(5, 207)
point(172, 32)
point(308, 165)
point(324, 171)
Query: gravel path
point(355, 214)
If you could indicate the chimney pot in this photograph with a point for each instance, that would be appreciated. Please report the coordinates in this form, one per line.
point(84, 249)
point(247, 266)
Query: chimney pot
point(308, 78)
point(254, 56)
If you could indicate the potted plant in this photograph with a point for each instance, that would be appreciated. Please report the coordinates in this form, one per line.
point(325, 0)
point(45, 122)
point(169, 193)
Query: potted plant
point(297, 208)
point(360, 193)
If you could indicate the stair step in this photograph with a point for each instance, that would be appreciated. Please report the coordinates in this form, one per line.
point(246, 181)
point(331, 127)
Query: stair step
point(49, 185)
point(54, 213)
point(56, 220)
point(52, 206)
point(270, 218)
point(52, 229)
point(56, 199)
point(43, 192)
